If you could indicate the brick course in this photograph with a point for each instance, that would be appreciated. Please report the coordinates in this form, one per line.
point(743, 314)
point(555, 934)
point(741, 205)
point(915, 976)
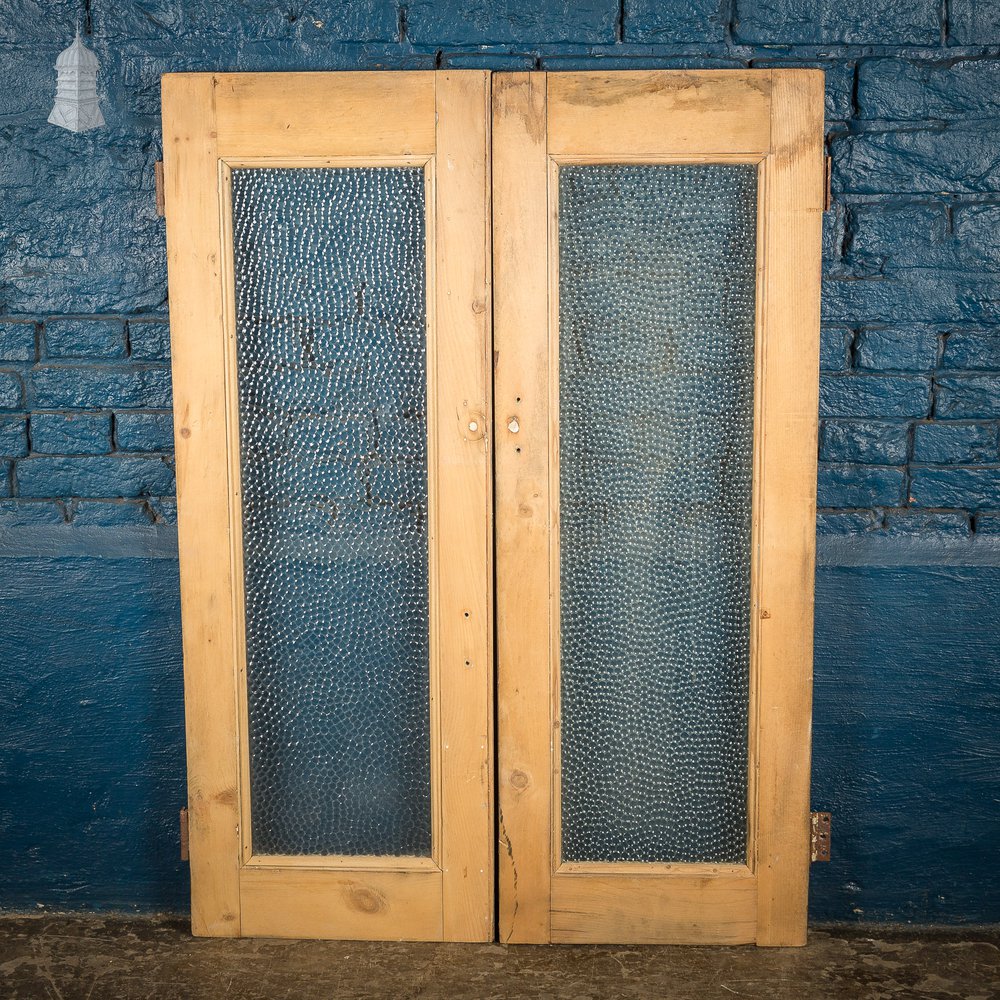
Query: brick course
point(142, 431)
point(84, 338)
point(71, 433)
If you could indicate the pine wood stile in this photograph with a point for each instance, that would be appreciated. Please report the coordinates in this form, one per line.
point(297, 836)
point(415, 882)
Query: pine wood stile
point(521, 428)
point(465, 502)
point(787, 485)
point(194, 265)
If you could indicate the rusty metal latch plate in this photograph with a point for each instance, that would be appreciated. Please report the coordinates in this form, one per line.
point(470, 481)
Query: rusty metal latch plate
point(161, 208)
point(820, 836)
point(184, 834)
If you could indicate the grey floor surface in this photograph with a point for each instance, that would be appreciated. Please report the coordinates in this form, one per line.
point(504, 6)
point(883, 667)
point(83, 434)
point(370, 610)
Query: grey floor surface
point(122, 958)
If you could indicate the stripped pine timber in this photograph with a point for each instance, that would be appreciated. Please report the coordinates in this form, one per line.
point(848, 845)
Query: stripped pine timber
point(440, 122)
point(357, 863)
point(794, 181)
point(656, 117)
point(464, 503)
point(649, 909)
point(362, 905)
point(521, 429)
point(659, 113)
point(194, 262)
point(326, 114)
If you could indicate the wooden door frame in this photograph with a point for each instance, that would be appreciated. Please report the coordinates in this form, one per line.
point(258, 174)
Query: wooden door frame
point(773, 118)
point(211, 123)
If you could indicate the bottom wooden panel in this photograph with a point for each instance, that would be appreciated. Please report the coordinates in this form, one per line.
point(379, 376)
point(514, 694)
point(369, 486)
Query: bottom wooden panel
point(348, 905)
point(654, 909)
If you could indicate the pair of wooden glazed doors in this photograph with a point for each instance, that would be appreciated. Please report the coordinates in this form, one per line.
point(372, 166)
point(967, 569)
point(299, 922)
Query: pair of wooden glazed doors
point(495, 414)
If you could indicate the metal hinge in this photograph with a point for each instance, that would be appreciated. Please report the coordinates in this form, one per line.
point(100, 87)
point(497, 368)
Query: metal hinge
point(828, 184)
point(184, 834)
point(161, 204)
point(820, 836)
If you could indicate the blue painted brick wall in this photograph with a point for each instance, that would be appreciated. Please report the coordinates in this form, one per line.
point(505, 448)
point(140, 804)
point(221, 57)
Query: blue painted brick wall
point(910, 397)
point(912, 246)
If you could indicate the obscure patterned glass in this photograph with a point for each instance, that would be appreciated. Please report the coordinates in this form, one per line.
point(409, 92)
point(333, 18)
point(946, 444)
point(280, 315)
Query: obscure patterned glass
point(656, 376)
point(330, 328)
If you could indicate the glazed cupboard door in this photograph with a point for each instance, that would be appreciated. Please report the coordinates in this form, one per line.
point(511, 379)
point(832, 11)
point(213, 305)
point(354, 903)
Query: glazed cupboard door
point(328, 241)
point(656, 310)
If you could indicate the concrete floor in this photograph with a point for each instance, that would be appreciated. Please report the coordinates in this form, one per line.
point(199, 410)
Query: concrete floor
point(102, 957)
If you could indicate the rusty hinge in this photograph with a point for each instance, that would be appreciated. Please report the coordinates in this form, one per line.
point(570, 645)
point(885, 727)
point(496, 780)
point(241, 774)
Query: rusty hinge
point(828, 184)
point(820, 828)
point(161, 205)
point(184, 834)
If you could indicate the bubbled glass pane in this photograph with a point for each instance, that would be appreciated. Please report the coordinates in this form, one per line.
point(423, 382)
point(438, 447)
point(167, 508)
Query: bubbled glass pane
point(330, 328)
point(656, 376)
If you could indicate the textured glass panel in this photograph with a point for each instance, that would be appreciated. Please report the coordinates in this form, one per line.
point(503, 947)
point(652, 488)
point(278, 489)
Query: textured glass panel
point(330, 329)
point(656, 365)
